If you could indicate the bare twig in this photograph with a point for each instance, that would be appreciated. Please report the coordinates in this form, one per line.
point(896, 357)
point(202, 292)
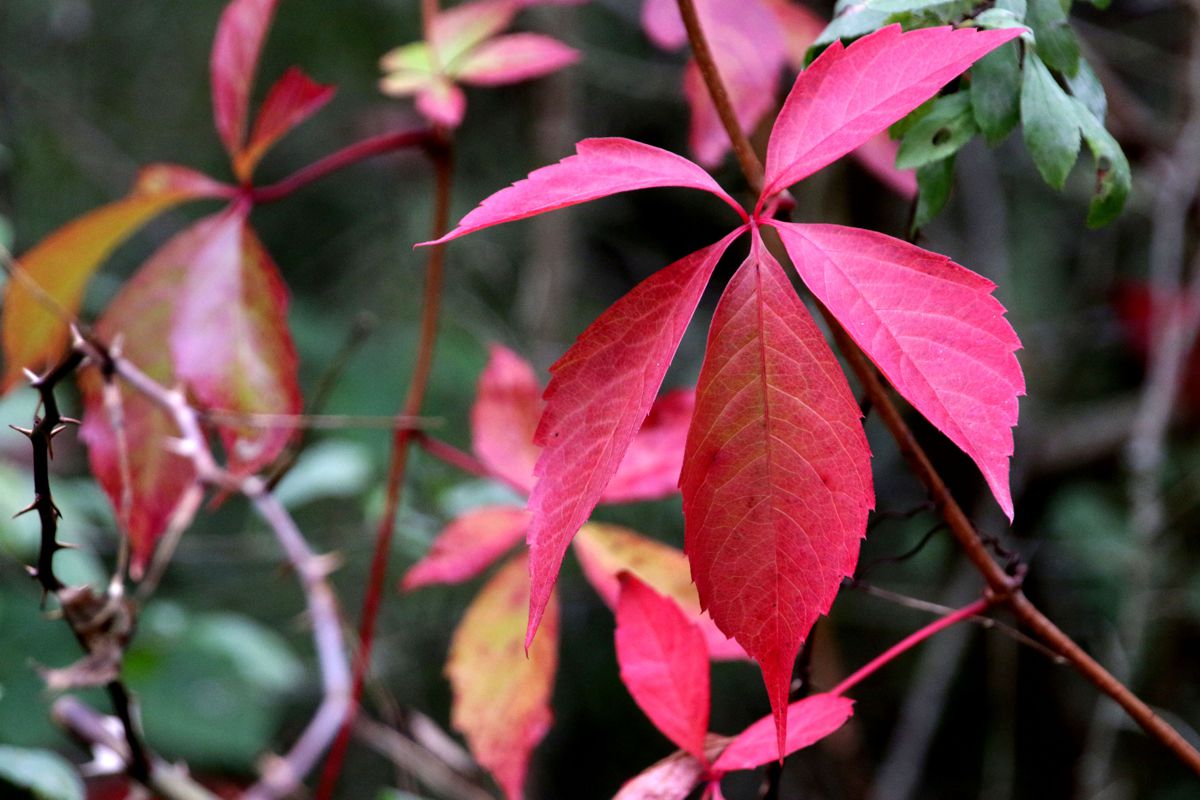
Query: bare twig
point(415, 760)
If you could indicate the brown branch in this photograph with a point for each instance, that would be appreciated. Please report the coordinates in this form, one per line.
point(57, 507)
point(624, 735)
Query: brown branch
point(1004, 589)
point(441, 153)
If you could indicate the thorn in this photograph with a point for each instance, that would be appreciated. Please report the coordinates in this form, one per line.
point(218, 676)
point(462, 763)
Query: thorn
point(31, 507)
point(70, 421)
point(76, 337)
point(57, 429)
point(57, 513)
point(26, 432)
point(65, 546)
point(33, 572)
point(32, 376)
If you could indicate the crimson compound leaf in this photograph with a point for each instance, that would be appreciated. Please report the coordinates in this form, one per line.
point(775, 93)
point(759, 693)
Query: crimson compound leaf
point(809, 721)
point(776, 479)
point(232, 64)
point(468, 546)
point(294, 98)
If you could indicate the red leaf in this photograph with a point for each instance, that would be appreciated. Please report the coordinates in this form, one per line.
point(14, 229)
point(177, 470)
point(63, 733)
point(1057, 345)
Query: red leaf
point(931, 326)
point(663, 664)
point(650, 468)
point(849, 94)
point(748, 47)
point(501, 698)
point(599, 395)
point(236, 48)
point(441, 102)
point(776, 479)
point(229, 338)
point(514, 58)
point(508, 402)
point(605, 551)
point(294, 98)
point(673, 778)
point(663, 25)
point(600, 167)
point(468, 546)
point(799, 26)
point(809, 721)
point(878, 156)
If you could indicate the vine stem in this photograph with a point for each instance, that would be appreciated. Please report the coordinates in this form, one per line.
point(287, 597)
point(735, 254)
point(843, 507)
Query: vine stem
point(1004, 589)
point(441, 153)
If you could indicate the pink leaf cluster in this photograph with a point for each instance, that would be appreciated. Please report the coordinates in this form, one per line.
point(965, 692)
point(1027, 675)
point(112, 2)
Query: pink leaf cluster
point(776, 479)
point(665, 668)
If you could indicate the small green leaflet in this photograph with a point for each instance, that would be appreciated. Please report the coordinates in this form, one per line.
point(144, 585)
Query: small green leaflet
point(1049, 122)
point(940, 133)
point(996, 92)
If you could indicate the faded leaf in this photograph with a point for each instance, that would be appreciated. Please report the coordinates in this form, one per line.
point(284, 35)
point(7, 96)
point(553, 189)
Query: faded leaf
point(468, 546)
point(931, 326)
point(514, 58)
point(508, 403)
point(232, 64)
point(776, 480)
point(673, 778)
point(501, 697)
point(664, 664)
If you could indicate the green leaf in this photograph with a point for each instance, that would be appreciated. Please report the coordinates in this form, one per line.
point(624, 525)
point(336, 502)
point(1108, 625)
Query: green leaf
point(939, 134)
point(996, 92)
point(1017, 8)
point(1049, 121)
point(897, 6)
point(850, 25)
point(1112, 168)
point(1086, 87)
point(1056, 42)
point(934, 182)
point(999, 19)
point(40, 773)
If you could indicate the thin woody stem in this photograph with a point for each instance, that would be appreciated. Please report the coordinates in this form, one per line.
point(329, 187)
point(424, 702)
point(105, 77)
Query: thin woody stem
point(1004, 589)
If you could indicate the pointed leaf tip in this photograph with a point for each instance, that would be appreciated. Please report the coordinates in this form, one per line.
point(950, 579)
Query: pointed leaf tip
point(808, 721)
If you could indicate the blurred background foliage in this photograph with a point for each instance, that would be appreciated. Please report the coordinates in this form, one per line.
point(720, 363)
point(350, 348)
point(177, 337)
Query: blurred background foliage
point(90, 89)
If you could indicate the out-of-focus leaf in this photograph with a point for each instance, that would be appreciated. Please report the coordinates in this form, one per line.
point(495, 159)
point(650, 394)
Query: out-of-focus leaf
point(998, 19)
point(878, 156)
point(468, 546)
point(663, 25)
point(294, 98)
point(673, 778)
point(939, 134)
point(514, 58)
point(899, 6)
point(1056, 42)
point(463, 28)
point(650, 468)
point(39, 774)
point(809, 721)
point(232, 64)
point(605, 551)
point(442, 102)
point(1113, 180)
point(331, 468)
point(855, 21)
point(996, 92)
point(935, 181)
point(35, 336)
point(501, 697)
point(1049, 122)
point(664, 664)
point(799, 26)
point(508, 403)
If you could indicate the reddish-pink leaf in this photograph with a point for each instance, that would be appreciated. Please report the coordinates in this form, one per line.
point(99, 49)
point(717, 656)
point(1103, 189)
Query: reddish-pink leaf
point(468, 546)
point(600, 393)
point(599, 168)
point(514, 58)
point(663, 25)
point(463, 28)
point(229, 338)
point(663, 664)
point(776, 479)
point(508, 403)
point(442, 102)
point(809, 721)
point(501, 698)
point(932, 327)
point(878, 156)
point(294, 98)
point(673, 778)
point(234, 60)
point(749, 49)
point(650, 468)
point(849, 94)
point(799, 26)
point(605, 551)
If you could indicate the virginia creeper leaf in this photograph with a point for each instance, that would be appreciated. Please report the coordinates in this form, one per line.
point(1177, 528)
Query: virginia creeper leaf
point(514, 58)
point(600, 393)
point(809, 721)
point(776, 478)
point(468, 545)
point(664, 664)
point(294, 98)
point(931, 326)
point(501, 698)
point(508, 403)
point(878, 156)
point(663, 25)
point(605, 551)
point(799, 26)
point(599, 168)
point(456, 32)
point(62, 264)
point(229, 338)
point(673, 778)
point(849, 94)
point(234, 60)
point(1048, 122)
point(650, 468)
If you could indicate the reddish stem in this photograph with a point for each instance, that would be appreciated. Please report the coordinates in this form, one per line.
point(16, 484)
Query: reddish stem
point(908, 642)
point(440, 151)
point(359, 151)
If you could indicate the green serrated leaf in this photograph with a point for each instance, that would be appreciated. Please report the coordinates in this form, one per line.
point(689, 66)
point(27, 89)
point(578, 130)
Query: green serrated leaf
point(1086, 87)
point(1056, 42)
point(1017, 8)
point(934, 182)
point(1113, 179)
point(996, 92)
point(1049, 123)
point(40, 773)
point(942, 132)
point(905, 124)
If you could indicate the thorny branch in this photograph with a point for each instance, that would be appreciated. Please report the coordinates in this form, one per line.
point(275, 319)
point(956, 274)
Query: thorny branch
point(1004, 589)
